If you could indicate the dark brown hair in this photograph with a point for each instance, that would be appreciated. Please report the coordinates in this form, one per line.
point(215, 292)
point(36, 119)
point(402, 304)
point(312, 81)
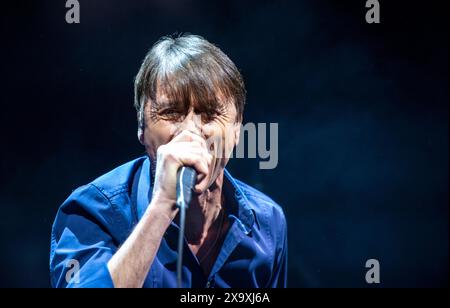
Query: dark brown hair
point(188, 69)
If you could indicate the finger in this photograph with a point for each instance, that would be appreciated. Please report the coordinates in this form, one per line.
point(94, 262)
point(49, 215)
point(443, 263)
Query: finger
point(201, 185)
point(187, 135)
point(184, 147)
point(191, 147)
point(193, 159)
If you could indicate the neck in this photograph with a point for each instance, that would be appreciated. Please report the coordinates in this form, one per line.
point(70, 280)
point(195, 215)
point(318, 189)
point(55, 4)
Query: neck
point(203, 211)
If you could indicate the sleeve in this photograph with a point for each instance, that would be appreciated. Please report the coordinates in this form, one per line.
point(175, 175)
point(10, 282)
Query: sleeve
point(81, 241)
point(279, 275)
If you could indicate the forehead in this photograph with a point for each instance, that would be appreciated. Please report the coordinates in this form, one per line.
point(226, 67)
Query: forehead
point(168, 95)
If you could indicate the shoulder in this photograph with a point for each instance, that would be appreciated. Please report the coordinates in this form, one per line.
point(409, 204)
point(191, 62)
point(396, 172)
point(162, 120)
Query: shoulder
point(105, 188)
point(259, 200)
point(117, 180)
point(104, 201)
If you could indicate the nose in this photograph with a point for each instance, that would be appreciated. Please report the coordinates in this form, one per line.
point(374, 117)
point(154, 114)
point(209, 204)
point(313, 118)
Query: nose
point(193, 123)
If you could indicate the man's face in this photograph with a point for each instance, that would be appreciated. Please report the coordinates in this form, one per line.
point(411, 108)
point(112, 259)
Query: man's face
point(216, 123)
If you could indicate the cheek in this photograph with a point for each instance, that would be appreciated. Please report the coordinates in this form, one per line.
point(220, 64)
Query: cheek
point(156, 135)
point(220, 139)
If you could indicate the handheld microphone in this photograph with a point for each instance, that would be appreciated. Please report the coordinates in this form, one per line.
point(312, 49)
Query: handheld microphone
point(186, 178)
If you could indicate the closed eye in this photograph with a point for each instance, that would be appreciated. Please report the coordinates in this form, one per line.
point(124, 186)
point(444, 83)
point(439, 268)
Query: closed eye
point(211, 114)
point(168, 111)
point(171, 114)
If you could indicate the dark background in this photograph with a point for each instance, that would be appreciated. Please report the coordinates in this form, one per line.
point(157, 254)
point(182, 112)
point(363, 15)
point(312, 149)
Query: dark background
point(362, 112)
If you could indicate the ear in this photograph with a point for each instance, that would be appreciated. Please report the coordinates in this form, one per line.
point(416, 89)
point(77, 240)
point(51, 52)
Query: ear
point(140, 131)
point(237, 132)
point(140, 135)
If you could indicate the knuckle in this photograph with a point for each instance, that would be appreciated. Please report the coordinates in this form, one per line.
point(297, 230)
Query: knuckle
point(186, 135)
point(166, 152)
point(170, 155)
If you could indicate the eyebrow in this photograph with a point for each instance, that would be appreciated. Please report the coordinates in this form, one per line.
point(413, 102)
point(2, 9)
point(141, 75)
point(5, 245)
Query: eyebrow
point(212, 104)
point(169, 103)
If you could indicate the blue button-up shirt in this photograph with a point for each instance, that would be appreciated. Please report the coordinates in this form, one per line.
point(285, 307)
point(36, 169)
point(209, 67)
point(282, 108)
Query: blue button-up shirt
point(97, 218)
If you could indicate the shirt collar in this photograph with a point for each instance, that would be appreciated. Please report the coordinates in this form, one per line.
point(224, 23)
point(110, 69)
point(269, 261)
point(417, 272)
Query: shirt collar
point(243, 207)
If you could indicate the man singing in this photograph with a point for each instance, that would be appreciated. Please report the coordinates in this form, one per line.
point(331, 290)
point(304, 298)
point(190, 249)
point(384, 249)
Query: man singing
point(121, 230)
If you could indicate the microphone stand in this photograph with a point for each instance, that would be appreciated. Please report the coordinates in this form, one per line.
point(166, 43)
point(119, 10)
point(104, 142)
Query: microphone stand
point(185, 182)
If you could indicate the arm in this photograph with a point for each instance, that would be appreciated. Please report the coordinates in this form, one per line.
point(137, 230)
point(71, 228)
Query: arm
point(130, 264)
